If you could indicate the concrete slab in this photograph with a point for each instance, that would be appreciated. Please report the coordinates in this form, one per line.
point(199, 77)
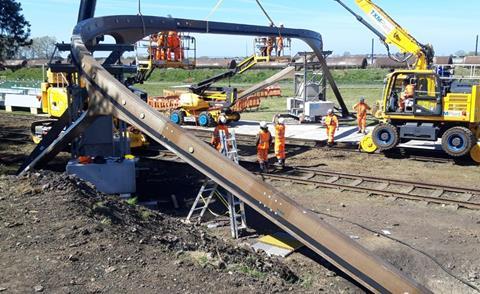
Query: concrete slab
point(315, 132)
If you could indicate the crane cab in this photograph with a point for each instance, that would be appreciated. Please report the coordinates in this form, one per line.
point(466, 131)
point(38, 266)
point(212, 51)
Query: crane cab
point(413, 94)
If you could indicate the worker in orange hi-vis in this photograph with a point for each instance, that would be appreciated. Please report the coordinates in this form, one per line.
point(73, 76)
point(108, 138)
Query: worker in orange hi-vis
point(408, 93)
point(362, 108)
point(171, 41)
point(280, 140)
point(178, 51)
point(152, 50)
point(161, 46)
point(216, 139)
point(331, 122)
point(263, 142)
point(269, 49)
point(279, 47)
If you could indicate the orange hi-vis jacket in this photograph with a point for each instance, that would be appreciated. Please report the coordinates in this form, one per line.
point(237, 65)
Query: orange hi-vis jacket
point(216, 136)
point(361, 109)
point(331, 121)
point(264, 140)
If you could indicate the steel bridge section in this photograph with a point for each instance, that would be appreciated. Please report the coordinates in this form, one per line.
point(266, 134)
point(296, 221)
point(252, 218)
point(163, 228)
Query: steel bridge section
point(108, 96)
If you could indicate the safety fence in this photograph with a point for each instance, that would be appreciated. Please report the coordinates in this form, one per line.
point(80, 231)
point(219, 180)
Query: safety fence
point(163, 103)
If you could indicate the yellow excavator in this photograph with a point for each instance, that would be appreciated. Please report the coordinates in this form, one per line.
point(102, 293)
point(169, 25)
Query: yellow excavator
point(205, 103)
point(417, 103)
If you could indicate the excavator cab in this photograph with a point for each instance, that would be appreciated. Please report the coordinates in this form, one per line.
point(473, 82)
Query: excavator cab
point(413, 93)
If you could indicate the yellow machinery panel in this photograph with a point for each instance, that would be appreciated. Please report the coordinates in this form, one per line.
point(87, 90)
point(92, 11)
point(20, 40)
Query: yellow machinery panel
point(475, 105)
point(457, 107)
point(57, 101)
point(192, 101)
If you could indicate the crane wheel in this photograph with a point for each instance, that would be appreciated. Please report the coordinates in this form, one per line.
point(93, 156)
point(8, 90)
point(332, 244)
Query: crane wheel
point(475, 153)
point(205, 119)
point(367, 144)
point(177, 117)
point(458, 141)
point(385, 137)
point(235, 116)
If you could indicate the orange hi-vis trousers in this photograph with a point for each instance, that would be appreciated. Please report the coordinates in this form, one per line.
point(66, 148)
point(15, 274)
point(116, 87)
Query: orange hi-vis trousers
point(362, 122)
point(280, 141)
point(331, 133)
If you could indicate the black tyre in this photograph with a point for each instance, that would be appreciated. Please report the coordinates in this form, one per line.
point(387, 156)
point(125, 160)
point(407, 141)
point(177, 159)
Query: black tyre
point(458, 141)
point(205, 119)
point(385, 136)
point(235, 116)
point(177, 117)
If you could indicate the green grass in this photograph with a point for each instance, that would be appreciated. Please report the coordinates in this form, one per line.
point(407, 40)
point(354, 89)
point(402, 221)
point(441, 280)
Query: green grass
point(23, 74)
point(181, 76)
point(252, 272)
point(353, 84)
point(132, 201)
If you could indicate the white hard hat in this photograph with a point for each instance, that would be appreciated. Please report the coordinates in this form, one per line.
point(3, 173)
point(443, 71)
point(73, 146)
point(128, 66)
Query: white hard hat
point(281, 120)
point(330, 111)
point(263, 124)
point(222, 119)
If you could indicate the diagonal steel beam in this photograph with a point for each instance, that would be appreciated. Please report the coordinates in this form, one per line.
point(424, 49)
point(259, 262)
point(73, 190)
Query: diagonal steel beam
point(109, 96)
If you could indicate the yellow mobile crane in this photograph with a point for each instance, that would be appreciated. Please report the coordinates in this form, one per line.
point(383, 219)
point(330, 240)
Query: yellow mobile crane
point(417, 104)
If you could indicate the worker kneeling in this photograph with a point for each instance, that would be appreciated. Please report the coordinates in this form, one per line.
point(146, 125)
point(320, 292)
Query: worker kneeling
point(263, 142)
point(216, 139)
point(331, 122)
point(361, 108)
point(280, 141)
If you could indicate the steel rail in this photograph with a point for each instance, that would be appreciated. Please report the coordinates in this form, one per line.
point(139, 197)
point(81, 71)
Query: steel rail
point(168, 156)
point(108, 96)
point(446, 188)
point(432, 199)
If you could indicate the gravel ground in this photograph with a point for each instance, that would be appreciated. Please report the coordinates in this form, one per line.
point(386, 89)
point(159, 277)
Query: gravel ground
point(60, 235)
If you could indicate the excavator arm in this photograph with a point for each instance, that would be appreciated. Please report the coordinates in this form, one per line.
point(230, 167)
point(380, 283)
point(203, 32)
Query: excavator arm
point(391, 33)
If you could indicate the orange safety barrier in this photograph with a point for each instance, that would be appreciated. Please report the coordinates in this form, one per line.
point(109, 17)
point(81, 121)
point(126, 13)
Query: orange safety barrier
point(272, 91)
point(163, 103)
point(247, 103)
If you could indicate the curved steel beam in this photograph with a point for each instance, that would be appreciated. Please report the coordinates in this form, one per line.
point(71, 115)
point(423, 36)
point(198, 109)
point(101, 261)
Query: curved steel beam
point(120, 28)
point(109, 96)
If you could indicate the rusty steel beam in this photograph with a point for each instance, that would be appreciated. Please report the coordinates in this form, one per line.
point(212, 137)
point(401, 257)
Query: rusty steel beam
point(108, 96)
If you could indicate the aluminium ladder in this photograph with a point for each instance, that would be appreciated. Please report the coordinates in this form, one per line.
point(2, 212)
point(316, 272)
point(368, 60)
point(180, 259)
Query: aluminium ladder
point(209, 189)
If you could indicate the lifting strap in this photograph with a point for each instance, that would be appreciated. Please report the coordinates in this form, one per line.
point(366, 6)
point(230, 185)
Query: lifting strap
point(215, 8)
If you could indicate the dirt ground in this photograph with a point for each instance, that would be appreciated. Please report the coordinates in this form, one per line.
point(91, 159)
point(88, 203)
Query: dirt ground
point(59, 235)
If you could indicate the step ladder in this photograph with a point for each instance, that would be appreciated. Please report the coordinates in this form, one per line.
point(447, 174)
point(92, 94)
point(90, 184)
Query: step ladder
point(209, 189)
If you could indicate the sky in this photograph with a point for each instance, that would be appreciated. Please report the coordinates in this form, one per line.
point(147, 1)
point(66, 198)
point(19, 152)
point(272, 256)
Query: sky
point(448, 25)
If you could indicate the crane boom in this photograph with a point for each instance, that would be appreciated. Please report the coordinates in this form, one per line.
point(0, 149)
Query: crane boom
point(390, 32)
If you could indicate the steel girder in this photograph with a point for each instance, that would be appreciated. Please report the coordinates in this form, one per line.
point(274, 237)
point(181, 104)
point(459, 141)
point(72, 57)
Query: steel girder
point(108, 96)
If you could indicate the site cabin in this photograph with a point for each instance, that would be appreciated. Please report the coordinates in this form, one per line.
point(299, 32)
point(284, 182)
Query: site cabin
point(446, 109)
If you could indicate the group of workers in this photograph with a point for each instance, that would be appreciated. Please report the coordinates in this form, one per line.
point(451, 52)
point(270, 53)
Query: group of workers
point(168, 46)
point(264, 139)
point(267, 44)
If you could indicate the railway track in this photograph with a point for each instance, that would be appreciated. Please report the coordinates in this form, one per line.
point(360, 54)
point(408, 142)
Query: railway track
point(418, 191)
